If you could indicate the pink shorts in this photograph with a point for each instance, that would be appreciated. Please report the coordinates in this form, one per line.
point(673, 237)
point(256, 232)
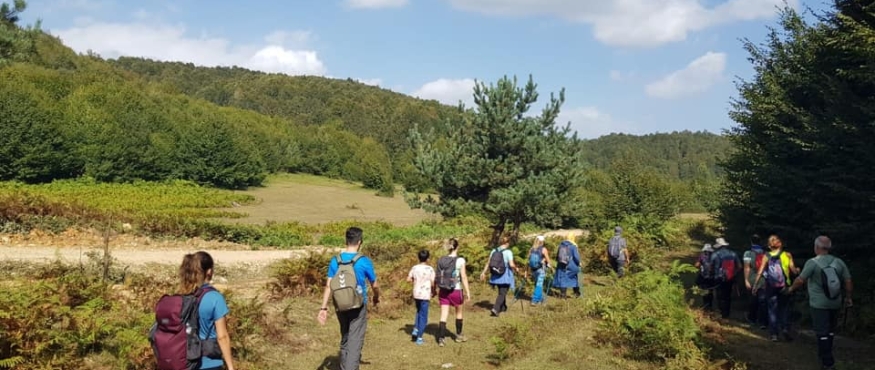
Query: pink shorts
point(450, 297)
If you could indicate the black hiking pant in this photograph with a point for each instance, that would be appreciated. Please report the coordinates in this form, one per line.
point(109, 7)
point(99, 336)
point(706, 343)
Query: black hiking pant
point(724, 298)
point(500, 301)
point(757, 310)
point(824, 322)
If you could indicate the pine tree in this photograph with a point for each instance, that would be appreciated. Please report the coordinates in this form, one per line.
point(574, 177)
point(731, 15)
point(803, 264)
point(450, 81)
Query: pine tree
point(500, 161)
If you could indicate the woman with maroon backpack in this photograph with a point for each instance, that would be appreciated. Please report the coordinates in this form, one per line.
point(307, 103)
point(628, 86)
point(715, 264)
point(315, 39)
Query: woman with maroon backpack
point(198, 311)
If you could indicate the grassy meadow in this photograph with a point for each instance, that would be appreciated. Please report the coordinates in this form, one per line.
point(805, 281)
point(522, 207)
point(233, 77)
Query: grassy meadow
point(313, 200)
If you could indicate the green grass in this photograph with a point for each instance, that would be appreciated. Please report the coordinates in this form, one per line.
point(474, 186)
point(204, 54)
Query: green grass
point(564, 341)
point(313, 200)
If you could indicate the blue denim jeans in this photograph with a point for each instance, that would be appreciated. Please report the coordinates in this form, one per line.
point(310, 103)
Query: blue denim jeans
point(779, 312)
point(421, 319)
point(538, 294)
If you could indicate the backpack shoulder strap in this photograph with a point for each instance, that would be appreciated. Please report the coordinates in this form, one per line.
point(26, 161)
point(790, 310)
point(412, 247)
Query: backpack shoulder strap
point(355, 258)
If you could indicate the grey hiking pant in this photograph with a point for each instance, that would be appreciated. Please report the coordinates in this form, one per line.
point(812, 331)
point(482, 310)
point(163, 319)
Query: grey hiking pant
point(353, 324)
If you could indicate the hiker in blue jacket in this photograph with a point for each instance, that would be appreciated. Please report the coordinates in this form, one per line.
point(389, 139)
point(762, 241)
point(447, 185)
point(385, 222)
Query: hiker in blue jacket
point(566, 272)
point(504, 282)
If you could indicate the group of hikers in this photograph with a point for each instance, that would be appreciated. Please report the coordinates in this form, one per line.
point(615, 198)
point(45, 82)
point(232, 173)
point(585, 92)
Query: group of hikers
point(351, 275)
point(191, 328)
point(768, 276)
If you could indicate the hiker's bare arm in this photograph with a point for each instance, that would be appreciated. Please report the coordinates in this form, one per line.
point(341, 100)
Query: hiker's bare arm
point(795, 270)
point(762, 268)
point(376, 288)
point(465, 282)
point(224, 342)
point(323, 310)
point(849, 292)
point(547, 256)
point(798, 283)
point(746, 274)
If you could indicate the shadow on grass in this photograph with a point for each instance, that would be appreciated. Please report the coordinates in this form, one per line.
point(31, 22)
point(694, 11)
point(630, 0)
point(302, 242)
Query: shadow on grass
point(330, 363)
point(431, 330)
point(333, 363)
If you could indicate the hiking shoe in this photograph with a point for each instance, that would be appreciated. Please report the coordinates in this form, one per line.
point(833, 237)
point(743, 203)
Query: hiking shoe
point(419, 341)
point(461, 339)
point(441, 342)
point(493, 313)
point(773, 338)
point(763, 327)
point(414, 335)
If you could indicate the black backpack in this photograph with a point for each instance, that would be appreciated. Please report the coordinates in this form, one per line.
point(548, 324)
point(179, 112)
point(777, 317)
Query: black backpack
point(496, 263)
point(446, 271)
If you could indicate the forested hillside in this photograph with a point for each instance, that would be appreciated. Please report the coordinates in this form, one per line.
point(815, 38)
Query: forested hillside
point(67, 115)
point(679, 155)
point(364, 110)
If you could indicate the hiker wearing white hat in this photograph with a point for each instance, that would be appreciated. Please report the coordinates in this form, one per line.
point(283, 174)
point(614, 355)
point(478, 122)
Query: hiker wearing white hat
point(726, 265)
point(539, 261)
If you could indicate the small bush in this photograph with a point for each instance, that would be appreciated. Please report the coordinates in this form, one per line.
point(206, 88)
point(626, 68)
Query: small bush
point(299, 276)
point(512, 339)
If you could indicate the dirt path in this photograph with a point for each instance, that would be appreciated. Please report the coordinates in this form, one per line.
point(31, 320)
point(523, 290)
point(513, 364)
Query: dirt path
point(73, 246)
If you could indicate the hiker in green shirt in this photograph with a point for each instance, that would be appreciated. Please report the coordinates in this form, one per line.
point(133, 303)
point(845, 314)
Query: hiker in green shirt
point(825, 275)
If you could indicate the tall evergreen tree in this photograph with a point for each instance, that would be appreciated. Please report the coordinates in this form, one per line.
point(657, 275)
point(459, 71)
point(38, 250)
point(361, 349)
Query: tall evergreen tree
point(806, 124)
point(502, 162)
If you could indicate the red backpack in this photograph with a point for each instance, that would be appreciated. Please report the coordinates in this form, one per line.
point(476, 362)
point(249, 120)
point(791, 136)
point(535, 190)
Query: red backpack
point(174, 336)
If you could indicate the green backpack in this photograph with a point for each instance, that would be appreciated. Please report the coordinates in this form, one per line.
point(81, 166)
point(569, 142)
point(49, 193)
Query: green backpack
point(345, 290)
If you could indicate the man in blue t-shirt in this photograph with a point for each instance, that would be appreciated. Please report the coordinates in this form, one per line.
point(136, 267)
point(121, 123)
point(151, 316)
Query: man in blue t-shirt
point(354, 322)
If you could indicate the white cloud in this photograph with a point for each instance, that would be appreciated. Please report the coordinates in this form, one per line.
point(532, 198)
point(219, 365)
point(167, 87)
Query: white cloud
point(171, 43)
point(697, 77)
point(448, 91)
point(375, 4)
point(370, 81)
point(590, 123)
point(633, 23)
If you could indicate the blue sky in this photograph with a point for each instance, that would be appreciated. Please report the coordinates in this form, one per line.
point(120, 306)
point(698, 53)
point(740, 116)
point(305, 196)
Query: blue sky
point(633, 66)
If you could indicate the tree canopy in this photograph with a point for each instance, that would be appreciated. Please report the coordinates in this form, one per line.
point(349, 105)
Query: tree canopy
point(501, 161)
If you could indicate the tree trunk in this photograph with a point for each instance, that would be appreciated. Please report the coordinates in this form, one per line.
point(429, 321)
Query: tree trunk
point(515, 232)
point(497, 230)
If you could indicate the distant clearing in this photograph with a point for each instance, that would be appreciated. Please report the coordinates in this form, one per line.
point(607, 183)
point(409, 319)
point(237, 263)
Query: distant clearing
point(314, 199)
point(694, 216)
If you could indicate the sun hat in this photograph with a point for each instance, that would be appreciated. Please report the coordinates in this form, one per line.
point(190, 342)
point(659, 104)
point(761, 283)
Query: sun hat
point(720, 243)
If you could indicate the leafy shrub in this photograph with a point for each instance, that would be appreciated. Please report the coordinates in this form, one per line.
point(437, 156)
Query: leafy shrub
point(299, 276)
point(645, 315)
point(512, 339)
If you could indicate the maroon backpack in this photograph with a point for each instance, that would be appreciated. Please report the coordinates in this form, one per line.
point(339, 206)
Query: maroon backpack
point(174, 336)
